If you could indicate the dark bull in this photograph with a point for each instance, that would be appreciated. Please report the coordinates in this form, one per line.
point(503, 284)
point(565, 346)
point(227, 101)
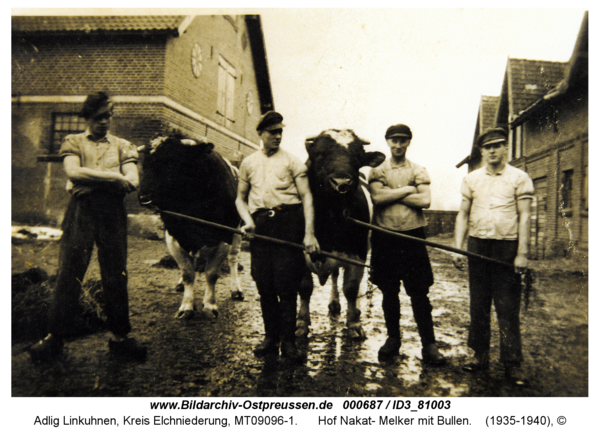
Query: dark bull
point(334, 160)
point(188, 177)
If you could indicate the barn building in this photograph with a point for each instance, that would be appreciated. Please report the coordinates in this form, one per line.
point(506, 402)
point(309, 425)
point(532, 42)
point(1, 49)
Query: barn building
point(203, 75)
point(544, 107)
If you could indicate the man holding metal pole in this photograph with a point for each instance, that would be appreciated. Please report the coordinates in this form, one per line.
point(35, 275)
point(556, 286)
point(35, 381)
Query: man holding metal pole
point(495, 209)
point(274, 200)
point(400, 191)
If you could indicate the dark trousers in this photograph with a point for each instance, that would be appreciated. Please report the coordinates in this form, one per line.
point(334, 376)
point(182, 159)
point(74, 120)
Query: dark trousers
point(394, 260)
point(92, 218)
point(491, 282)
point(277, 270)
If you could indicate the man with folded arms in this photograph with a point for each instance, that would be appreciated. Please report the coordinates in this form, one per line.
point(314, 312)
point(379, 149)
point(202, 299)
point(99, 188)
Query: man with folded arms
point(400, 191)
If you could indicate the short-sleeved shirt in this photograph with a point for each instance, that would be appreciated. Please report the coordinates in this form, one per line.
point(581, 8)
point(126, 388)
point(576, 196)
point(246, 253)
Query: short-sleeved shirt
point(494, 197)
point(397, 216)
point(106, 155)
point(272, 179)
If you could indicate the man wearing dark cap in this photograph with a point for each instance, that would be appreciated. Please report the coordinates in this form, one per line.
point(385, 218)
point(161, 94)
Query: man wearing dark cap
point(274, 199)
point(400, 191)
point(495, 209)
point(101, 169)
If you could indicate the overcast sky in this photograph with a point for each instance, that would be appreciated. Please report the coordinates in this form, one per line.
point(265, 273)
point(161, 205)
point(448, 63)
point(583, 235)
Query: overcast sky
point(366, 69)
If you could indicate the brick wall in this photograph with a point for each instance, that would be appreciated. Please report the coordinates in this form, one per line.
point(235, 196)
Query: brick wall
point(216, 37)
point(558, 123)
point(138, 122)
point(556, 140)
point(37, 188)
point(440, 221)
point(55, 66)
point(123, 66)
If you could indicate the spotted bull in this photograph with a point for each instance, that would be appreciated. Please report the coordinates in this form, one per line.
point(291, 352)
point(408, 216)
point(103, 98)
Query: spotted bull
point(334, 160)
point(190, 178)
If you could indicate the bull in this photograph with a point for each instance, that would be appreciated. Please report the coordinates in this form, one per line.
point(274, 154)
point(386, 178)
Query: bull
point(334, 160)
point(189, 177)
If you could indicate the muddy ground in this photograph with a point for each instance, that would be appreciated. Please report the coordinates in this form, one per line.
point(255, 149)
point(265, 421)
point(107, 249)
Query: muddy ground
point(213, 357)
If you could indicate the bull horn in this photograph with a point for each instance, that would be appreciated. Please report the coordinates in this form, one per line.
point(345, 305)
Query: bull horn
point(141, 148)
point(188, 142)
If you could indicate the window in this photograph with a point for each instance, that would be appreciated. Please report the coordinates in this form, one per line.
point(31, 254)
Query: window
point(63, 124)
point(516, 149)
point(226, 93)
point(565, 192)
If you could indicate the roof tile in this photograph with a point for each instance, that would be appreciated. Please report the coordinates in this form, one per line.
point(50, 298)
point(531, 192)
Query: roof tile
point(531, 80)
point(95, 23)
point(489, 106)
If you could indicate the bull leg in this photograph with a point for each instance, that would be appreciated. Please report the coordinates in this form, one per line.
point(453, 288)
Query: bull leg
point(213, 271)
point(303, 319)
point(188, 274)
point(233, 259)
point(334, 305)
point(352, 277)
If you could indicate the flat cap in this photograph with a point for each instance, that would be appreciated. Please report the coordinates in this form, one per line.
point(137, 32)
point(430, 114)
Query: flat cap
point(270, 121)
point(398, 130)
point(96, 104)
point(492, 136)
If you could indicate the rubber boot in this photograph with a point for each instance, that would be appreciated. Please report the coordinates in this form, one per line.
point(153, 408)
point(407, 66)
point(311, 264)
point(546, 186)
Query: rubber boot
point(422, 313)
point(480, 362)
point(288, 330)
point(391, 314)
point(270, 313)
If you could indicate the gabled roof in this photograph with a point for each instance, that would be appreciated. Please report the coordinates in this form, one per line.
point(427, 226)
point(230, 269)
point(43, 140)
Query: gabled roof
point(525, 82)
point(577, 69)
point(575, 78)
point(531, 80)
point(528, 85)
point(487, 113)
point(486, 118)
point(261, 65)
point(98, 24)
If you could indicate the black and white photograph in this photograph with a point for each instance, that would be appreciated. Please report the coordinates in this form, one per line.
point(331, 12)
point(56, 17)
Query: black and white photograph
point(382, 211)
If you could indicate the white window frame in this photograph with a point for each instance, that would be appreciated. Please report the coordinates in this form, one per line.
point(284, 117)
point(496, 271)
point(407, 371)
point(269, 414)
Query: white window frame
point(226, 93)
point(519, 145)
point(516, 143)
point(63, 124)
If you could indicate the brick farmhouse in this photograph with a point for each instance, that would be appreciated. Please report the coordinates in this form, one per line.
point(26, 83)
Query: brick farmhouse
point(206, 76)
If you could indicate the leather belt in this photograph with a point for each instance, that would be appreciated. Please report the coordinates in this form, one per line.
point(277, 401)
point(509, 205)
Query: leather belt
point(276, 210)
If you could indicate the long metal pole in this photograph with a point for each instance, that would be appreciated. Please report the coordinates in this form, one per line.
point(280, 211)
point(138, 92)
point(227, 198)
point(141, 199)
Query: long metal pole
point(262, 237)
point(431, 244)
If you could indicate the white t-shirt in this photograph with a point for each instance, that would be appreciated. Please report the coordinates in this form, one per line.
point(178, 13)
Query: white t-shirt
point(272, 179)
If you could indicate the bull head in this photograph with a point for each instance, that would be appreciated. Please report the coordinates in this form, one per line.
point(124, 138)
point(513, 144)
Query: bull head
point(159, 140)
point(161, 159)
point(335, 157)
